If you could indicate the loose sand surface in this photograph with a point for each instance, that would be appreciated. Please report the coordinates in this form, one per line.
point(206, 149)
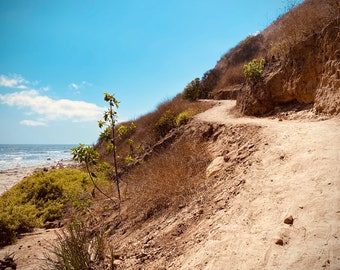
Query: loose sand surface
point(296, 174)
point(10, 177)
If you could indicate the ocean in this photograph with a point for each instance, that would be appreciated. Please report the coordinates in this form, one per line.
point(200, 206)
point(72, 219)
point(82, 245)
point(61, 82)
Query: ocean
point(16, 156)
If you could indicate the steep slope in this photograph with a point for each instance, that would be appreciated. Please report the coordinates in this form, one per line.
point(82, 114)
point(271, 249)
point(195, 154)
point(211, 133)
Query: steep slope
point(262, 172)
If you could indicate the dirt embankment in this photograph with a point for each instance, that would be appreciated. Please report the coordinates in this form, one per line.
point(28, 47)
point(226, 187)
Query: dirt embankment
point(270, 201)
point(309, 74)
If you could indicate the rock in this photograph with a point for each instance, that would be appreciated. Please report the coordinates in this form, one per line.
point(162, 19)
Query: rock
point(181, 206)
point(289, 220)
point(279, 242)
point(215, 166)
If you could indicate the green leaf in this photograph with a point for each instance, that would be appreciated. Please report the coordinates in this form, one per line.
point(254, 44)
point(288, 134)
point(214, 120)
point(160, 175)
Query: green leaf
point(101, 123)
point(83, 153)
point(128, 159)
point(110, 148)
point(122, 130)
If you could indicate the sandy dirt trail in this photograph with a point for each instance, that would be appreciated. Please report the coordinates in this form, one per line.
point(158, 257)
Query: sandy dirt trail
point(295, 173)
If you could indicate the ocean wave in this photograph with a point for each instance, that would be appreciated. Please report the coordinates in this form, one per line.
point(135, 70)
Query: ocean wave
point(20, 156)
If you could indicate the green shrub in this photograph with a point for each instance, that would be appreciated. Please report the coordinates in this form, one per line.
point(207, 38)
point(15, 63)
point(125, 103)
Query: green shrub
point(193, 90)
point(7, 235)
point(39, 198)
point(254, 69)
point(126, 131)
point(184, 117)
point(103, 167)
point(165, 123)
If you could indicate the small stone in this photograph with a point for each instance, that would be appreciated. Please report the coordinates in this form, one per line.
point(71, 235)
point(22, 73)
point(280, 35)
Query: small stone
point(289, 220)
point(279, 242)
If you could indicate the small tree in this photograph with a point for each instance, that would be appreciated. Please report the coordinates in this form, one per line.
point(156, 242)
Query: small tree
point(109, 121)
point(88, 155)
point(193, 90)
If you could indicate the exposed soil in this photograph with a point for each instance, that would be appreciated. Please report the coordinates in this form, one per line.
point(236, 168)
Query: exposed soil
point(271, 201)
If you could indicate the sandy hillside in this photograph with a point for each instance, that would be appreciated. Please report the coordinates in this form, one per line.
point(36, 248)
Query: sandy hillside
point(290, 173)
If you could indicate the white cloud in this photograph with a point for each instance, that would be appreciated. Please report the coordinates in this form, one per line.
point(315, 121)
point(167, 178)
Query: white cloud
point(255, 34)
point(74, 86)
point(77, 86)
point(45, 89)
point(13, 81)
point(33, 123)
point(49, 109)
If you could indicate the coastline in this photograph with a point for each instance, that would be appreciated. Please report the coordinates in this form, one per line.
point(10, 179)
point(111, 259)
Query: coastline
point(10, 177)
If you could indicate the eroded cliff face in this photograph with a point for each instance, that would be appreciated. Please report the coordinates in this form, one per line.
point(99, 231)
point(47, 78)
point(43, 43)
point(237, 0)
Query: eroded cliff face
point(310, 73)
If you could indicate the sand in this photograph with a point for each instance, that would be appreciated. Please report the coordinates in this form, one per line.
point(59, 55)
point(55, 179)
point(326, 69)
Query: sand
point(8, 178)
point(296, 174)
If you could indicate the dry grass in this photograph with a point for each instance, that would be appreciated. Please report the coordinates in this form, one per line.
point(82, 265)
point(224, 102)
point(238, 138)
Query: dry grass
point(308, 18)
point(167, 179)
point(233, 75)
point(145, 134)
point(230, 65)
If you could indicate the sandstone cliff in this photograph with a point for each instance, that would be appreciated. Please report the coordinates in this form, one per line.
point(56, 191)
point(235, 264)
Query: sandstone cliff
point(310, 73)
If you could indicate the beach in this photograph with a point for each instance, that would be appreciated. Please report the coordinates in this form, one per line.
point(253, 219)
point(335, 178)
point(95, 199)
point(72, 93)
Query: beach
point(10, 177)
point(18, 161)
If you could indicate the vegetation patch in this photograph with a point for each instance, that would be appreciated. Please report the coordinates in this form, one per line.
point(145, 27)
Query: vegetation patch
point(79, 247)
point(184, 117)
point(168, 179)
point(254, 70)
point(165, 123)
point(193, 90)
point(42, 197)
point(279, 49)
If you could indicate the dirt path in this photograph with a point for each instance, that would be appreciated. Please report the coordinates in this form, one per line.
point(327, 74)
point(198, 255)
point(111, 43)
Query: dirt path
point(296, 173)
point(30, 249)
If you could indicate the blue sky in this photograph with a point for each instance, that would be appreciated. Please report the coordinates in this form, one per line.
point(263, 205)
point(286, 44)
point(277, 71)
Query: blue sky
point(58, 57)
